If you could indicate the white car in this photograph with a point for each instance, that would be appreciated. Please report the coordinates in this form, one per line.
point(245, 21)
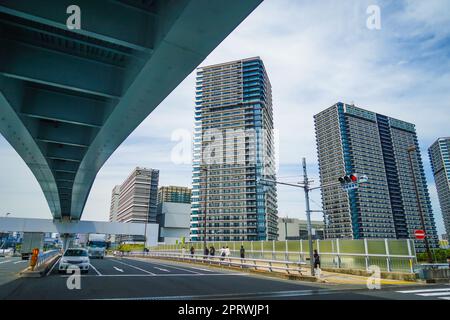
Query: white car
point(75, 257)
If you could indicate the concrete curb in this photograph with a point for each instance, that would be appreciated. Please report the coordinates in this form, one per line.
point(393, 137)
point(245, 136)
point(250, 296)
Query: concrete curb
point(27, 273)
point(384, 275)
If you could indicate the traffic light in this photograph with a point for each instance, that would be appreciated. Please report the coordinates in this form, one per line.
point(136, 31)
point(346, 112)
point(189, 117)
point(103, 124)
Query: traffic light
point(353, 178)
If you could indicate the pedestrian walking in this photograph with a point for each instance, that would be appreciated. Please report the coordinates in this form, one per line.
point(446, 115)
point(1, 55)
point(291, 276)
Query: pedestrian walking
point(222, 253)
point(192, 251)
point(242, 252)
point(183, 252)
point(448, 261)
point(227, 251)
point(206, 253)
point(212, 251)
point(316, 263)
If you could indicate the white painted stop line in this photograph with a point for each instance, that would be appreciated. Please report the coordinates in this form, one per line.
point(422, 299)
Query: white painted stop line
point(5, 261)
point(120, 270)
point(161, 269)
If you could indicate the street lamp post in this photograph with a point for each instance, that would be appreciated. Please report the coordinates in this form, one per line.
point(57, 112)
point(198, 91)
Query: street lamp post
point(412, 149)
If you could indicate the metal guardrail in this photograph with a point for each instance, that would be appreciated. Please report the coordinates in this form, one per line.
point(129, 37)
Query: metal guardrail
point(333, 259)
point(389, 255)
point(43, 257)
point(256, 264)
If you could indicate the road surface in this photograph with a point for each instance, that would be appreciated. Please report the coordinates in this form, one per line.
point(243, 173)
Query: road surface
point(126, 278)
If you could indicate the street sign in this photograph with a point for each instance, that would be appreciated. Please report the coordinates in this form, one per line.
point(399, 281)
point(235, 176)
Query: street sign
point(350, 186)
point(420, 234)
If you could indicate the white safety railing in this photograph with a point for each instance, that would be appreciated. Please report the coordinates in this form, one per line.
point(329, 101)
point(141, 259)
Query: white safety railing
point(229, 261)
point(389, 255)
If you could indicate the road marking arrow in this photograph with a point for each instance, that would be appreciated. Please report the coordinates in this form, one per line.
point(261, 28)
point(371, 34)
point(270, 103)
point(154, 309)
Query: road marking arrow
point(165, 270)
point(120, 270)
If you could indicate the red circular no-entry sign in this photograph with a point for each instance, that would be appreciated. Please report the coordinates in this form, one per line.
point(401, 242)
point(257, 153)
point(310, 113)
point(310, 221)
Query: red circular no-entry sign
point(420, 234)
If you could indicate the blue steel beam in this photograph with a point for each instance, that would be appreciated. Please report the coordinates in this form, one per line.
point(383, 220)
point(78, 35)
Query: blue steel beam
point(69, 98)
point(22, 61)
point(106, 20)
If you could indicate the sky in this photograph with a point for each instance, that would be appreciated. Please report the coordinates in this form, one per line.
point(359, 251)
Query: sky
point(316, 53)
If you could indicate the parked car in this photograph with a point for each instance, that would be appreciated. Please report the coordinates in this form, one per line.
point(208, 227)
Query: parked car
point(78, 257)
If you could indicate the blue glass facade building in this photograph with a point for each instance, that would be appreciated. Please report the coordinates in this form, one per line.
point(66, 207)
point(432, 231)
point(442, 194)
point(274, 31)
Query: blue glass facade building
point(233, 147)
point(354, 140)
point(439, 153)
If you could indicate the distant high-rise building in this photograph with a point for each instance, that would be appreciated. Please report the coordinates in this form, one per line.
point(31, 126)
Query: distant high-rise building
point(233, 147)
point(174, 207)
point(354, 140)
point(440, 163)
point(114, 204)
point(297, 229)
point(138, 196)
point(174, 194)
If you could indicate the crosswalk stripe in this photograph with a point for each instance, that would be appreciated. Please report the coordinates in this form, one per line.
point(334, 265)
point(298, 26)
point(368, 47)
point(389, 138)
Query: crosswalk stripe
point(425, 290)
point(434, 294)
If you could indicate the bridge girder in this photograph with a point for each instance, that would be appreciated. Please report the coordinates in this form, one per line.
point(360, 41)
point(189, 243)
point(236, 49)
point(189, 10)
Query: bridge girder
point(70, 97)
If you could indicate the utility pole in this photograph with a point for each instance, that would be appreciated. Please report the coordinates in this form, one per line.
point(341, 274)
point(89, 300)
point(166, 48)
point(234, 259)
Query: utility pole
point(412, 149)
point(145, 229)
point(205, 169)
point(308, 215)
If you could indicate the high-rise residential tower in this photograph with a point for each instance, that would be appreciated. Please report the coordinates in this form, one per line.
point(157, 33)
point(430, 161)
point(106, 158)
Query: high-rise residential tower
point(174, 194)
point(138, 196)
point(440, 163)
point(233, 147)
point(354, 140)
point(115, 194)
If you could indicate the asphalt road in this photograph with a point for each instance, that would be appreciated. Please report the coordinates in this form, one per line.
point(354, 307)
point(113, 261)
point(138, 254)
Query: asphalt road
point(10, 267)
point(123, 278)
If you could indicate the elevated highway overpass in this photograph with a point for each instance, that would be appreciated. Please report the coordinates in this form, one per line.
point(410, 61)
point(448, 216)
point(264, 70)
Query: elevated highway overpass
point(69, 98)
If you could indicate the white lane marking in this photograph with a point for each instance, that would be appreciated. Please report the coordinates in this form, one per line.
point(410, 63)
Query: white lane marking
point(200, 269)
point(120, 270)
point(95, 269)
point(5, 261)
point(235, 296)
point(137, 268)
point(445, 298)
point(51, 269)
point(20, 261)
point(163, 275)
point(434, 294)
point(167, 266)
point(161, 269)
point(424, 290)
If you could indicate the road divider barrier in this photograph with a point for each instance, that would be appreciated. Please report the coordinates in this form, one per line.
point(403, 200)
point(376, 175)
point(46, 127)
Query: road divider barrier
point(44, 261)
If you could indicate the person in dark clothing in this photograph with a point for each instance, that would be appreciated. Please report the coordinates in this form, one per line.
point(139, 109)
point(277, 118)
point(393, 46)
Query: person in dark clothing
point(448, 261)
point(242, 252)
point(206, 252)
point(316, 260)
point(192, 251)
point(212, 251)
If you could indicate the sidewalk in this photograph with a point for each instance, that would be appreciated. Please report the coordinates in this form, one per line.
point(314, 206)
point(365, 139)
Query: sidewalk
point(341, 278)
